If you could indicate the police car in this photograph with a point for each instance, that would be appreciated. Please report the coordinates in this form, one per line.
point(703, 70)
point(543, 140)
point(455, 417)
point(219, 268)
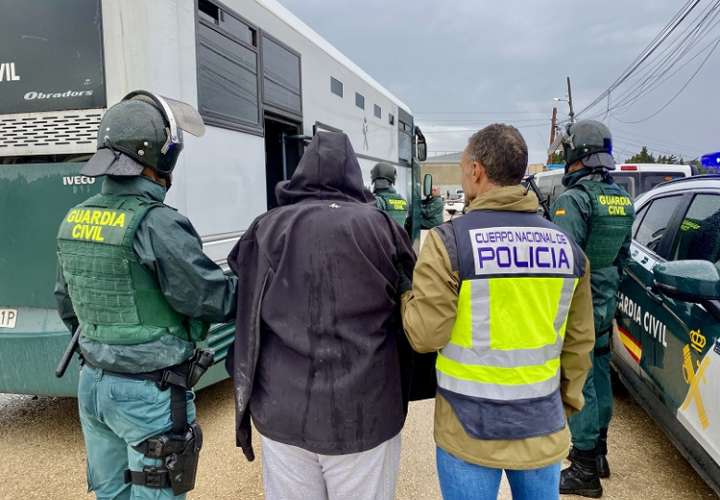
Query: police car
point(666, 343)
point(455, 202)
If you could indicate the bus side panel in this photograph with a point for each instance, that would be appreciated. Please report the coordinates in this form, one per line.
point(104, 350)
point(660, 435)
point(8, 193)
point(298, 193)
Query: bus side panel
point(222, 178)
point(33, 200)
point(150, 45)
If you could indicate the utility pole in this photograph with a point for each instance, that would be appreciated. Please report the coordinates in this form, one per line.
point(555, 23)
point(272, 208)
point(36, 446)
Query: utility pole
point(553, 127)
point(569, 93)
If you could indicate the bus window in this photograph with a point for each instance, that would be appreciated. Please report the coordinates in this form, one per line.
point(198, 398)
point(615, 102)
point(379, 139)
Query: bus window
point(626, 181)
point(649, 181)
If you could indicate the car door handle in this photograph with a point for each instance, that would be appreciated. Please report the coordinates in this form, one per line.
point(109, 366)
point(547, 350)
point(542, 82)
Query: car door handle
point(653, 296)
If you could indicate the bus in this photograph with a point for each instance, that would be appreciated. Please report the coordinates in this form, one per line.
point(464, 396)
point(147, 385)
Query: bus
point(264, 83)
point(634, 178)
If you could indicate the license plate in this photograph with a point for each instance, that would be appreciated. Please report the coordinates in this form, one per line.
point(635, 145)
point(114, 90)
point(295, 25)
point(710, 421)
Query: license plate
point(8, 317)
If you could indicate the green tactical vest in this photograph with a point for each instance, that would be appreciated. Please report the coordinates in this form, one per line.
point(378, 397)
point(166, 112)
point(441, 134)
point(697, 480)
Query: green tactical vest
point(116, 299)
point(611, 221)
point(395, 205)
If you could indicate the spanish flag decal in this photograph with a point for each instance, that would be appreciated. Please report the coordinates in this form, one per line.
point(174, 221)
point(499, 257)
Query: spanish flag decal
point(632, 345)
point(559, 211)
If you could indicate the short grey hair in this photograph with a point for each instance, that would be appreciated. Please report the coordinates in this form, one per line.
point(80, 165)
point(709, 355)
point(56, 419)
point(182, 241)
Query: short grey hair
point(502, 151)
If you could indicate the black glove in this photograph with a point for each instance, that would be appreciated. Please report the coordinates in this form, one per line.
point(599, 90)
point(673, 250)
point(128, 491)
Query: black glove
point(404, 281)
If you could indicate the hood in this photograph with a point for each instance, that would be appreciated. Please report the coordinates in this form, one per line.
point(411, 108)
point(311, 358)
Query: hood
point(586, 173)
point(328, 170)
point(381, 184)
point(510, 198)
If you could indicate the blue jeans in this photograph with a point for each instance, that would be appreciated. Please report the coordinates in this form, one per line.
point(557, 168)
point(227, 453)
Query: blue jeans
point(117, 413)
point(460, 480)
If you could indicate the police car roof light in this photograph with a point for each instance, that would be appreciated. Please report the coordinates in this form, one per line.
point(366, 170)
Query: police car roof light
point(628, 168)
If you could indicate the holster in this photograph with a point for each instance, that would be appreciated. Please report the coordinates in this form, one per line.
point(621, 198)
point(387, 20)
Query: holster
point(179, 449)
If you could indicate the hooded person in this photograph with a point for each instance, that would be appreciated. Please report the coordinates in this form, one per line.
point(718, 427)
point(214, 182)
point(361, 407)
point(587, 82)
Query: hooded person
point(320, 361)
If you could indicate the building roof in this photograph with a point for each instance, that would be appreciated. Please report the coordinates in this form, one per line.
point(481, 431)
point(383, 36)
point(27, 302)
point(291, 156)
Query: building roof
point(452, 158)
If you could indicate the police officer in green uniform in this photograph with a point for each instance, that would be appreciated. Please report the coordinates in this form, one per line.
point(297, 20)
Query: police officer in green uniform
point(132, 275)
point(383, 178)
point(599, 215)
point(432, 210)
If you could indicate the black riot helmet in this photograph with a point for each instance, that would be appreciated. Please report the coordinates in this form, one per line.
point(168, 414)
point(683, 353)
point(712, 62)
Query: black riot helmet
point(588, 141)
point(148, 129)
point(383, 175)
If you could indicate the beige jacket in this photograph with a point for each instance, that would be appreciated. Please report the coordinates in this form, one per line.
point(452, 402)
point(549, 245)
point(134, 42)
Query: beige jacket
point(429, 311)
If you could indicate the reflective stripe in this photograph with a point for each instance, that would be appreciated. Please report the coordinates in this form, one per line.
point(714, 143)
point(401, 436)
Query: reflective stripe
point(568, 290)
point(471, 326)
point(474, 348)
point(498, 392)
point(480, 313)
point(504, 358)
point(501, 375)
point(482, 362)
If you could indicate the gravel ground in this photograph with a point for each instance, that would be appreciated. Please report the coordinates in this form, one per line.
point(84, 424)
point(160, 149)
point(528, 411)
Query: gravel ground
point(42, 454)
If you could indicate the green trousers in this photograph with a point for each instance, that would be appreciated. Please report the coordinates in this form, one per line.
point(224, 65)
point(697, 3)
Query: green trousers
point(117, 413)
point(585, 426)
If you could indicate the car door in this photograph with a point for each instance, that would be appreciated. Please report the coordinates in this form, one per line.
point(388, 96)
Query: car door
point(641, 340)
point(691, 378)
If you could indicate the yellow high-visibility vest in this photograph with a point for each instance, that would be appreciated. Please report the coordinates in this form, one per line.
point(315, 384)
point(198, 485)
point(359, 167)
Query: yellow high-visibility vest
point(518, 276)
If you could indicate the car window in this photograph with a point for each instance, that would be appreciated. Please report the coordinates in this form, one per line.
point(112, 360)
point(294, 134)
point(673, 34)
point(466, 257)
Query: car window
point(638, 218)
point(652, 228)
point(699, 235)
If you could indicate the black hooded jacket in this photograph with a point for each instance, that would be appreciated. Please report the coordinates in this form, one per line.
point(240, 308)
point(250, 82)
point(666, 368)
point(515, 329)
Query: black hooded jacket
point(319, 340)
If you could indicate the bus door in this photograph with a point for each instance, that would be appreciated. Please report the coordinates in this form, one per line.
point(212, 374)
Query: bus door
point(283, 148)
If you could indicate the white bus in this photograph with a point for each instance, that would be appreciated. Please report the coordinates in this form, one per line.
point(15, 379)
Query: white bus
point(635, 178)
point(264, 83)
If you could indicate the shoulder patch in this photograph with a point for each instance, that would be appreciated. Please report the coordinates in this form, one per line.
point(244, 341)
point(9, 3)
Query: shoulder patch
point(560, 212)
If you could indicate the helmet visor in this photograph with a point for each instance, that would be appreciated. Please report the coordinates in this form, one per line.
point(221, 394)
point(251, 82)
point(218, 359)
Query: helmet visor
point(180, 115)
point(186, 117)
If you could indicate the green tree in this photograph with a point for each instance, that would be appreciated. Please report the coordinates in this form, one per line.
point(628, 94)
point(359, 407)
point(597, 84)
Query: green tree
point(557, 157)
point(670, 160)
point(642, 157)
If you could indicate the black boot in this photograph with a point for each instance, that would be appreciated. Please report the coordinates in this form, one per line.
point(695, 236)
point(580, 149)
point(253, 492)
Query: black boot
point(602, 463)
point(581, 478)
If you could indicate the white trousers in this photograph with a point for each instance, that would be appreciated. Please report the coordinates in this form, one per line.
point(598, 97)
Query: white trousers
point(292, 473)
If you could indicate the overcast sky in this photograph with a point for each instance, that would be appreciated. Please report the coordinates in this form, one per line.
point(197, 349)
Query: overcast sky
point(455, 62)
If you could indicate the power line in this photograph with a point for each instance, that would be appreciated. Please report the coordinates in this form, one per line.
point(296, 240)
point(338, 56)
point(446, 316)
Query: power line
point(650, 141)
point(659, 70)
point(677, 19)
point(475, 129)
point(478, 113)
point(482, 122)
point(677, 94)
point(655, 148)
